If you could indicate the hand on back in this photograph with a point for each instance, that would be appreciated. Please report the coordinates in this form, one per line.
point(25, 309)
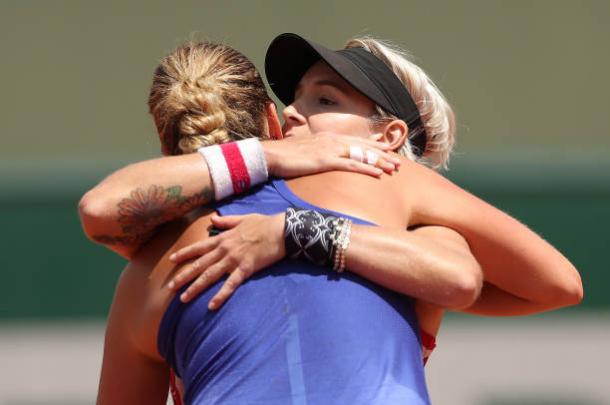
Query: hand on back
point(248, 244)
point(302, 155)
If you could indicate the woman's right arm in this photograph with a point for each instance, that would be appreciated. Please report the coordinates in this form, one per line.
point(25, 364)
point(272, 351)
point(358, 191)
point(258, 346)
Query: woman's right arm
point(123, 211)
point(523, 273)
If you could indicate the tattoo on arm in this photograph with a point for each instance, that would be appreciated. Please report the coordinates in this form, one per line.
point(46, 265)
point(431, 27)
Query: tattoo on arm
point(144, 210)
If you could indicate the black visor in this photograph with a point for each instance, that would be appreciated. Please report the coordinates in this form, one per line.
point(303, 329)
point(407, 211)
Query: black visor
point(289, 56)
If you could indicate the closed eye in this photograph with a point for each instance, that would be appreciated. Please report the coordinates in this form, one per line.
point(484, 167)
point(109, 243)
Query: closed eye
point(326, 101)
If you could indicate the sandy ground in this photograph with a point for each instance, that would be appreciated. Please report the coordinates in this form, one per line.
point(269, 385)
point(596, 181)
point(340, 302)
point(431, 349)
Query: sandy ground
point(535, 361)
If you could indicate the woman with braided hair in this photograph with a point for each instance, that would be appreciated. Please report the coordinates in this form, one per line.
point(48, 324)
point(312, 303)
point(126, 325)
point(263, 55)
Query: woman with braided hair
point(290, 334)
point(136, 356)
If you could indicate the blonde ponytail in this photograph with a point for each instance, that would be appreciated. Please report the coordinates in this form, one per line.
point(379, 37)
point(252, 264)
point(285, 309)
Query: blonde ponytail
point(204, 94)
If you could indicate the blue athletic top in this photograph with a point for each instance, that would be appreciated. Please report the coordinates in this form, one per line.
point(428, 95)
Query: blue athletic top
point(295, 334)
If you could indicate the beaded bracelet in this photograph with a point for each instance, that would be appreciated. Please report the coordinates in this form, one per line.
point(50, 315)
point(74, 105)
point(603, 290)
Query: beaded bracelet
point(341, 246)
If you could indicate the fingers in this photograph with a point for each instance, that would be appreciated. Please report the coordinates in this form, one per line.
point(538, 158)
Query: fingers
point(383, 149)
point(386, 166)
point(197, 268)
point(387, 157)
point(349, 165)
point(373, 157)
point(227, 221)
point(207, 277)
point(193, 250)
point(363, 153)
point(236, 278)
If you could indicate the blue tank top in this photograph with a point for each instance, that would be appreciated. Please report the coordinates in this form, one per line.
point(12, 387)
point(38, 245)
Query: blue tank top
point(295, 334)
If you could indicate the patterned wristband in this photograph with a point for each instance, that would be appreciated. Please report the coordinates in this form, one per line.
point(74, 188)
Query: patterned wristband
point(307, 234)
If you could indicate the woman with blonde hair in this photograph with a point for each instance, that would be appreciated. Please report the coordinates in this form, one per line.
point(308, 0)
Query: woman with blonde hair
point(427, 262)
point(511, 255)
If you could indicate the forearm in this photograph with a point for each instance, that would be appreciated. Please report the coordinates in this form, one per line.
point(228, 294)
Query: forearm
point(520, 262)
point(422, 263)
point(123, 211)
point(513, 257)
point(125, 208)
point(494, 301)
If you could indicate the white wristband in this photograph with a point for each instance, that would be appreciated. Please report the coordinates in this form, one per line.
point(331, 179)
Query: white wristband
point(219, 171)
point(253, 156)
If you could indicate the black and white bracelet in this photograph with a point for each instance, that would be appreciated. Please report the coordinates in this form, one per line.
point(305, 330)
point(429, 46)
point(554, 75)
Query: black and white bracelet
point(319, 238)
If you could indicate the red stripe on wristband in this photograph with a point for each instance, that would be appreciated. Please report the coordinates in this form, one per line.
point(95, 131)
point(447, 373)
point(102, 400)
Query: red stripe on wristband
point(237, 167)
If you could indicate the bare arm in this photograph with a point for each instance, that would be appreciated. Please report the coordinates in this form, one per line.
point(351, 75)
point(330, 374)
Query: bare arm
point(532, 275)
point(523, 273)
point(433, 264)
point(129, 376)
point(430, 263)
point(123, 211)
point(494, 301)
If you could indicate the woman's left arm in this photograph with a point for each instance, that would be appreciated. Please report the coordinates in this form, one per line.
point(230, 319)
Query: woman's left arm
point(429, 263)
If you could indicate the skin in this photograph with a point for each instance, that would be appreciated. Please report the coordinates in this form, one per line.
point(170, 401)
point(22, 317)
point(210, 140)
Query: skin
point(123, 211)
point(323, 100)
point(505, 249)
point(318, 105)
point(142, 296)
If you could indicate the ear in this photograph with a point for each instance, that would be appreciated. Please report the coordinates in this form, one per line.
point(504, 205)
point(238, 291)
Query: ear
point(273, 121)
point(395, 133)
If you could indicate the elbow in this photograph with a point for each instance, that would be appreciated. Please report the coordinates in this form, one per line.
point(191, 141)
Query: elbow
point(577, 292)
point(95, 212)
point(91, 213)
point(466, 287)
point(570, 290)
point(562, 289)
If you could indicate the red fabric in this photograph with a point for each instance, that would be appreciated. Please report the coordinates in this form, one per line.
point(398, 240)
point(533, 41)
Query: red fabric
point(428, 343)
point(237, 167)
point(173, 389)
point(427, 340)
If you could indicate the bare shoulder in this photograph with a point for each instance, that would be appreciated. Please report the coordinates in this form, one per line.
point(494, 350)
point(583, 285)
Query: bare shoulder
point(436, 200)
point(419, 174)
point(146, 276)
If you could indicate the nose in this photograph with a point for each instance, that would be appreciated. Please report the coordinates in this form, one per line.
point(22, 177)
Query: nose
point(292, 117)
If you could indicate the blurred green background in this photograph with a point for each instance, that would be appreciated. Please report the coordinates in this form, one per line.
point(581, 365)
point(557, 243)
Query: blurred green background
point(528, 80)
